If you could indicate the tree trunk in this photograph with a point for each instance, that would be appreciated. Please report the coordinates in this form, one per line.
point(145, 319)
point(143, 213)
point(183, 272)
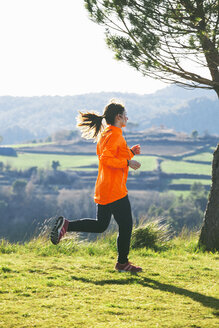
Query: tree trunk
point(209, 237)
point(216, 89)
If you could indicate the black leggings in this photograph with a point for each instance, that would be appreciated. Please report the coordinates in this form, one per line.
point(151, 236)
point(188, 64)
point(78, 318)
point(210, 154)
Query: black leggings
point(121, 211)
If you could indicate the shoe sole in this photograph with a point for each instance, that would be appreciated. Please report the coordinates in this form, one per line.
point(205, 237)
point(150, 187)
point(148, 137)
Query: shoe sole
point(54, 236)
point(129, 271)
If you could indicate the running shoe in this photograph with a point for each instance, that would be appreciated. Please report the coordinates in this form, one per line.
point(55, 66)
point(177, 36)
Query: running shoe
point(59, 230)
point(127, 267)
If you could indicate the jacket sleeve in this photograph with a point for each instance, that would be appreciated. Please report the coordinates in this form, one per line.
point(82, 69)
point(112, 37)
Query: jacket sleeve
point(130, 153)
point(108, 156)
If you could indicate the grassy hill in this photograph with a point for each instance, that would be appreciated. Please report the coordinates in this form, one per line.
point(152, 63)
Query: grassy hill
point(75, 285)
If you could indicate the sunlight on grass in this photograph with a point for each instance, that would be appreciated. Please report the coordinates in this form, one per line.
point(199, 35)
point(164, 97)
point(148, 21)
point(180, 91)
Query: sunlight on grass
point(183, 167)
point(148, 163)
point(27, 160)
point(203, 157)
point(177, 193)
point(39, 144)
point(75, 285)
point(72, 162)
point(190, 181)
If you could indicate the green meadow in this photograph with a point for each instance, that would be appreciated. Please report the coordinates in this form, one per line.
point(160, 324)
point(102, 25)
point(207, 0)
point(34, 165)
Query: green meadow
point(191, 181)
point(26, 160)
point(203, 157)
point(32, 144)
point(82, 162)
point(75, 285)
point(67, 162)
point(183, 193)
point(171, 166)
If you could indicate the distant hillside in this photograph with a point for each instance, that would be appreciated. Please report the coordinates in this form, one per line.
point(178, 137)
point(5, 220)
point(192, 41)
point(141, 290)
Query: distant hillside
point(26, 118)
point(201, 114)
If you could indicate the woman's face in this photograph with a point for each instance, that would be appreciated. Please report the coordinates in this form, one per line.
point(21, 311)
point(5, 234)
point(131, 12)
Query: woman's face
point(124, 118)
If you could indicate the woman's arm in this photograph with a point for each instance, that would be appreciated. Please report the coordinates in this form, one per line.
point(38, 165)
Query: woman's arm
point(109, 154)
point(136, 150)
point(134, 164)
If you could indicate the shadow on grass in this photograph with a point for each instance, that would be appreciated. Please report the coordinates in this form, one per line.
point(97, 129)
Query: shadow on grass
point(207, 301)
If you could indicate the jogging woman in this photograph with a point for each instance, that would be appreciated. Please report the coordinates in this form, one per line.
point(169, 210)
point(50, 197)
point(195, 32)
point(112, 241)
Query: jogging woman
point(111, 195)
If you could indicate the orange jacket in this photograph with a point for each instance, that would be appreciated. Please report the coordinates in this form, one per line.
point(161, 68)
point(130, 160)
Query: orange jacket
point(113, 154)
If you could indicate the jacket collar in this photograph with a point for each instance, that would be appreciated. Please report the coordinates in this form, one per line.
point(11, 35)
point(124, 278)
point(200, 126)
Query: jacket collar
point(114, 129)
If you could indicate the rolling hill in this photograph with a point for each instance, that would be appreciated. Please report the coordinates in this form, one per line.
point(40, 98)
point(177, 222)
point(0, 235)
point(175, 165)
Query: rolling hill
point(26, 118)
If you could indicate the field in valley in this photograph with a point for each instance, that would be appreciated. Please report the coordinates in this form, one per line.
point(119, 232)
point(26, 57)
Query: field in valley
point(192, 161)
point(67, 162)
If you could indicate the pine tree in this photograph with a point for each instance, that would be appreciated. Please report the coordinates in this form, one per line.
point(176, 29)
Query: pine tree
point(176, 41)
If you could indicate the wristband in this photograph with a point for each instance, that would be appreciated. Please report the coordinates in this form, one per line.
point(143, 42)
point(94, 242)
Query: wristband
point(132, 151)
point(127, 162)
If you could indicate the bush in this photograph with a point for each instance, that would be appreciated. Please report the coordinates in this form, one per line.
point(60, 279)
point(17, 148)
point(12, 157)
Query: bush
point(18, 186)
point(181, 212)
point(6, 247)
point(185, 216)
point(152, 235)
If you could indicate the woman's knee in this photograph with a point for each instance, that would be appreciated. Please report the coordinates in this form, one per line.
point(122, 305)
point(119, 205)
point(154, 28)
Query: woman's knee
point(101, 228)
point(125, 229)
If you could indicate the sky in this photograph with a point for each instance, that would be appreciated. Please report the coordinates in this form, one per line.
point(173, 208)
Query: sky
point(51, 47)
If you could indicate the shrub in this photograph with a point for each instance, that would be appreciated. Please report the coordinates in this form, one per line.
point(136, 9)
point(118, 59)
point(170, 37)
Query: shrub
point(18, 186)
point(185, 215)
point(152, 235)
point(6, 247)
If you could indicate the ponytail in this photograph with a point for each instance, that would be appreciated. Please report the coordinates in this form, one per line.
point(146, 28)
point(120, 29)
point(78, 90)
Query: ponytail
point(90, 124)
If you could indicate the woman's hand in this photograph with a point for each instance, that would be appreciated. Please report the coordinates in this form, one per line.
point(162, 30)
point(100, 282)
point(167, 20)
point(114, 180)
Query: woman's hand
point(136, 149)
point(134, 164)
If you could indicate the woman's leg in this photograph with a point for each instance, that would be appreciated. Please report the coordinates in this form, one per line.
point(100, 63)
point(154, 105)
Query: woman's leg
point(103, 216)
point(121, 210)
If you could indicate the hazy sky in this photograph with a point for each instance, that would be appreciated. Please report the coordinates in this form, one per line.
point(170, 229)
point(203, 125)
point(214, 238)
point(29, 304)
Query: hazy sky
point(50, 47)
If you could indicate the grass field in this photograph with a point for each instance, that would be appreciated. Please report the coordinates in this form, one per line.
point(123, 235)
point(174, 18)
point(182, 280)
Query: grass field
point(67, 162)
point(184, 167)
point(90, 163)
point(203, 157)
point(177, 193)
point(82, 162)
point(30, 145)
point(75, 285)
point(191, 181)
point(27, 160)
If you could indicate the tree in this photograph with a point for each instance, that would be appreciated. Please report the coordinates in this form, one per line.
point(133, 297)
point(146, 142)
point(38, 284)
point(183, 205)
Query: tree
point(19, 186)
point(176, 41)
point(210, 230)
point(1, 166)
point(199, 195)
point(194, 134)
point(155, 37)
point(55, 165)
